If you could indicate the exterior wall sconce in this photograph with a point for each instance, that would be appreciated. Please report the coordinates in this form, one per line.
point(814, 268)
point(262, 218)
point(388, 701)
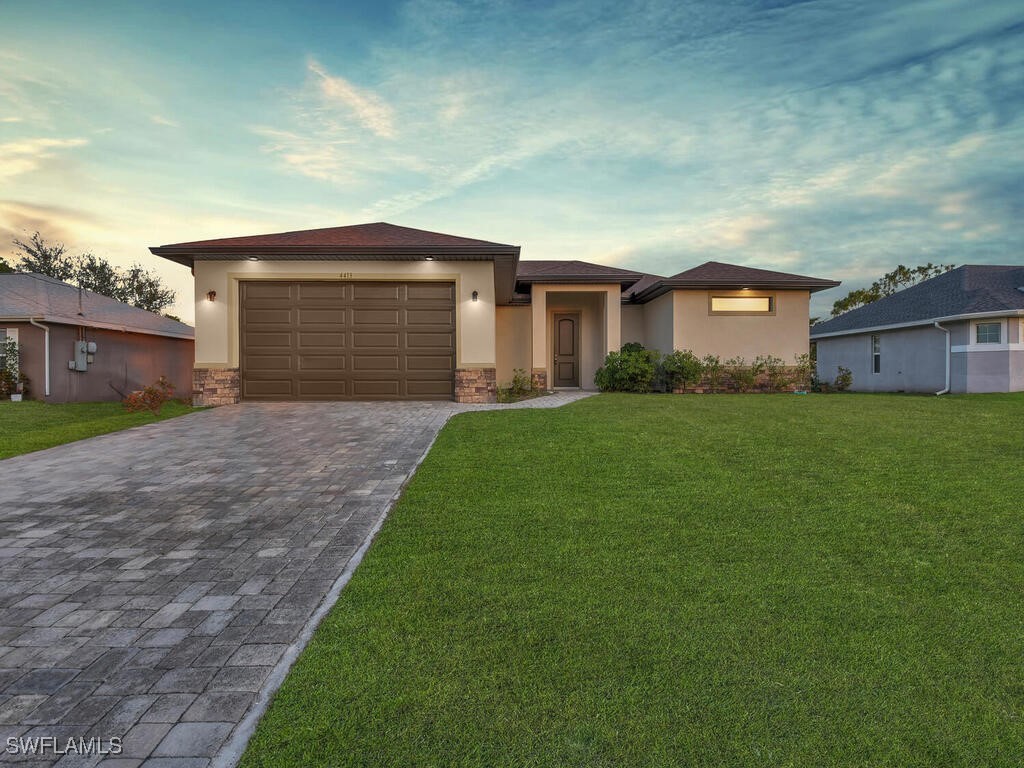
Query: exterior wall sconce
point(476, 295)
point(428, 258)
point(254, 258)
point(211, 295)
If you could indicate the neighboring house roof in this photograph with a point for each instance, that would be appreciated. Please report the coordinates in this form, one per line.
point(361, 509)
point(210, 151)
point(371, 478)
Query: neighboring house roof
point(25, 296)
point(548, 271)
point(377, 241)
point(716, 274)
point(966, 291)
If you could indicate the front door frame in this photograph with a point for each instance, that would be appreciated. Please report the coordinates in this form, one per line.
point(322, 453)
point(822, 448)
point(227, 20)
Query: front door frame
point(576, 318)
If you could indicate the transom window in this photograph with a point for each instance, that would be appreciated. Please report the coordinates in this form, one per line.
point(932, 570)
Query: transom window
point(876, 354)
point(747, 305)
point(988, 333)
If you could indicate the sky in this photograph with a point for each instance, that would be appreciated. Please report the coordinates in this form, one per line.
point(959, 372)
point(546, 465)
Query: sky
point(835, 138)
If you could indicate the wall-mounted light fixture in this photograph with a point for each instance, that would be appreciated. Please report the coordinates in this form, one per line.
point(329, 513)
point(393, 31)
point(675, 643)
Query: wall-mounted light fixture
point(211, 295)
point(254, 258)
point(428, 258)
point(476, 295)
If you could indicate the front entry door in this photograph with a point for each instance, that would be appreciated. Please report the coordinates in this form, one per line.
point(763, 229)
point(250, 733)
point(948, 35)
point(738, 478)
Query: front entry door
point(567, 351)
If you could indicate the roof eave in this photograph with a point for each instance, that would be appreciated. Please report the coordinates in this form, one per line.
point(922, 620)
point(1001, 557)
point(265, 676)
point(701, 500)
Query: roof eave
point(918, 323)
point(87, 323)
point(657, 289)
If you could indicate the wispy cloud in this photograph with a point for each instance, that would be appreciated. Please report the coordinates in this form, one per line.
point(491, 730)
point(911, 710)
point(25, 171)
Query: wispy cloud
point(18, 157)
point(161, 120)
point(338, 93)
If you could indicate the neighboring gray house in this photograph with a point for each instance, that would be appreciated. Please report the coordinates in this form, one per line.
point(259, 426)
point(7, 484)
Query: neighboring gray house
point(78, 346)
point(962, 331)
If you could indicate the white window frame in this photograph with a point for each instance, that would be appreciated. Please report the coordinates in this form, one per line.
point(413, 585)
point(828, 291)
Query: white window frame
point(977, 330)
point(876, 354)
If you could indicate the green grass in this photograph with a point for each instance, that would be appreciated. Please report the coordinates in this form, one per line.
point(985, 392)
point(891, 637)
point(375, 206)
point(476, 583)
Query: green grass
point(32, 426)
point(669, 581)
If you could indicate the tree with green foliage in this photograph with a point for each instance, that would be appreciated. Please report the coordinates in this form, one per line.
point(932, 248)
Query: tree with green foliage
point(887, 285)
point(134, 285)
point(5, 267)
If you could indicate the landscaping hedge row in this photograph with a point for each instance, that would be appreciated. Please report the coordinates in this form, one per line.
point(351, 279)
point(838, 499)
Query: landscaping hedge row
point(637, 369)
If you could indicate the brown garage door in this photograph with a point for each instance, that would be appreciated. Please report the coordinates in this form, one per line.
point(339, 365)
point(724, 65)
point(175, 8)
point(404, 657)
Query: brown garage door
point(323, 340)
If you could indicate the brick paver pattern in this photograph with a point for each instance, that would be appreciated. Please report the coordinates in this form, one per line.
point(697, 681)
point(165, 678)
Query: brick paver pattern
point(151, 579)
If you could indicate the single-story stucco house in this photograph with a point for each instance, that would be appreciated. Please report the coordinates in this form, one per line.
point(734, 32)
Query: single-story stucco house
point(78, 346)
point(962, 331)
point(378, 311)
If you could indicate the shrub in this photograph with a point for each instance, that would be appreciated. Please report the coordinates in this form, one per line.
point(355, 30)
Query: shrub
point(152, 398)
point(520, 387)
point(803, 375)
point(8, 367)
point(745, 376)
point(843, 380)
point(681, 369)
point(713, 371)
point(774, 370)
point(631, 369)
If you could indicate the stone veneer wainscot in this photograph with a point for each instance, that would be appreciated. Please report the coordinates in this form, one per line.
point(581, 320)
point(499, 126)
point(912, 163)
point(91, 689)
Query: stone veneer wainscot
point(215, 386)
point(476, 385)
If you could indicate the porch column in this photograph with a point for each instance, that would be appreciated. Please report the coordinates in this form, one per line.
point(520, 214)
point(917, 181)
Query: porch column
point(539, 308)
point(613, 318)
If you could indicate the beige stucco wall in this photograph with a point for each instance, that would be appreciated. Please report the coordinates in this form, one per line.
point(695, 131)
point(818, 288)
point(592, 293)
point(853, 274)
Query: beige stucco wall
point(514, 329)
point(633, 324)
point(217, 321)
point(658, 323)
point(785, 334)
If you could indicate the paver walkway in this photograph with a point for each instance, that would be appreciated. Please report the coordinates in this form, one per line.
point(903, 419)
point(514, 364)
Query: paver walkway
point(156, 583)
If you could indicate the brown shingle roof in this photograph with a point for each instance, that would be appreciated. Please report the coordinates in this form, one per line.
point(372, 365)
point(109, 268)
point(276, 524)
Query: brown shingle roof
point(379, 234)
point(718, 273)
point(27, 295)
point(549, 271)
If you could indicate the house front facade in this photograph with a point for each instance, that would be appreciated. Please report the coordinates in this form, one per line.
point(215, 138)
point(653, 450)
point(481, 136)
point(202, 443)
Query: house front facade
point(378, 311)
point(960, 332)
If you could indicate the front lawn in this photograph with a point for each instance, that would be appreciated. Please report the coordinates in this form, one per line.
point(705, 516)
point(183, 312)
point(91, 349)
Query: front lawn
point(681, 581)
point(32, 425)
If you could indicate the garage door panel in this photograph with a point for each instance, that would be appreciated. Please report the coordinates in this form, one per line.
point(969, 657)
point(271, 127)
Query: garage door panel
point(327, 289)
point(416, 340)
point(375, 362)
point(310, 316)
point(262, 340)
point(374, 340)
point(256, 317)
point(275, 363)
point(323, 363)
point(444, 318)
point(428, 362)
point(375, 317)
point(310, 340)
point(377, 292)
point(371, 388)
point(267, 388)
point(257, 290)
point(340, 341)
point(439, 292)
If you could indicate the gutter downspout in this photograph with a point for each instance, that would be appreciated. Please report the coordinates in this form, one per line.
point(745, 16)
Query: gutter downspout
point(949, 354)
point(46, 353)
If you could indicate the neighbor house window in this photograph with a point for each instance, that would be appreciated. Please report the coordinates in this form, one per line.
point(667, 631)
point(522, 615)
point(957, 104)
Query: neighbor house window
point(876, 354)
point(747, 305)
point(988, 333)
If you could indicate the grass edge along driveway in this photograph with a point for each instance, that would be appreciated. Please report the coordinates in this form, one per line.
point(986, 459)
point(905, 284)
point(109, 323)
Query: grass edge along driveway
point(664, 580)
point(32, 426)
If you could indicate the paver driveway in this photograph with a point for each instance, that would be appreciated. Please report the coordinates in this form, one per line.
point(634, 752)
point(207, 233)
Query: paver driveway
point(156, 583)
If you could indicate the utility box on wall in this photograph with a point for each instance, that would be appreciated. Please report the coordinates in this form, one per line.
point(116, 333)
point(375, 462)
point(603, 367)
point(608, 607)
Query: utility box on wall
point(84, 351)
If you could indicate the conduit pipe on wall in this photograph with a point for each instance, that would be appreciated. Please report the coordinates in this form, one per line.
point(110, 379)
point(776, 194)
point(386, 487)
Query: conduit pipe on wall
point(46, 354)
point(949, 353)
